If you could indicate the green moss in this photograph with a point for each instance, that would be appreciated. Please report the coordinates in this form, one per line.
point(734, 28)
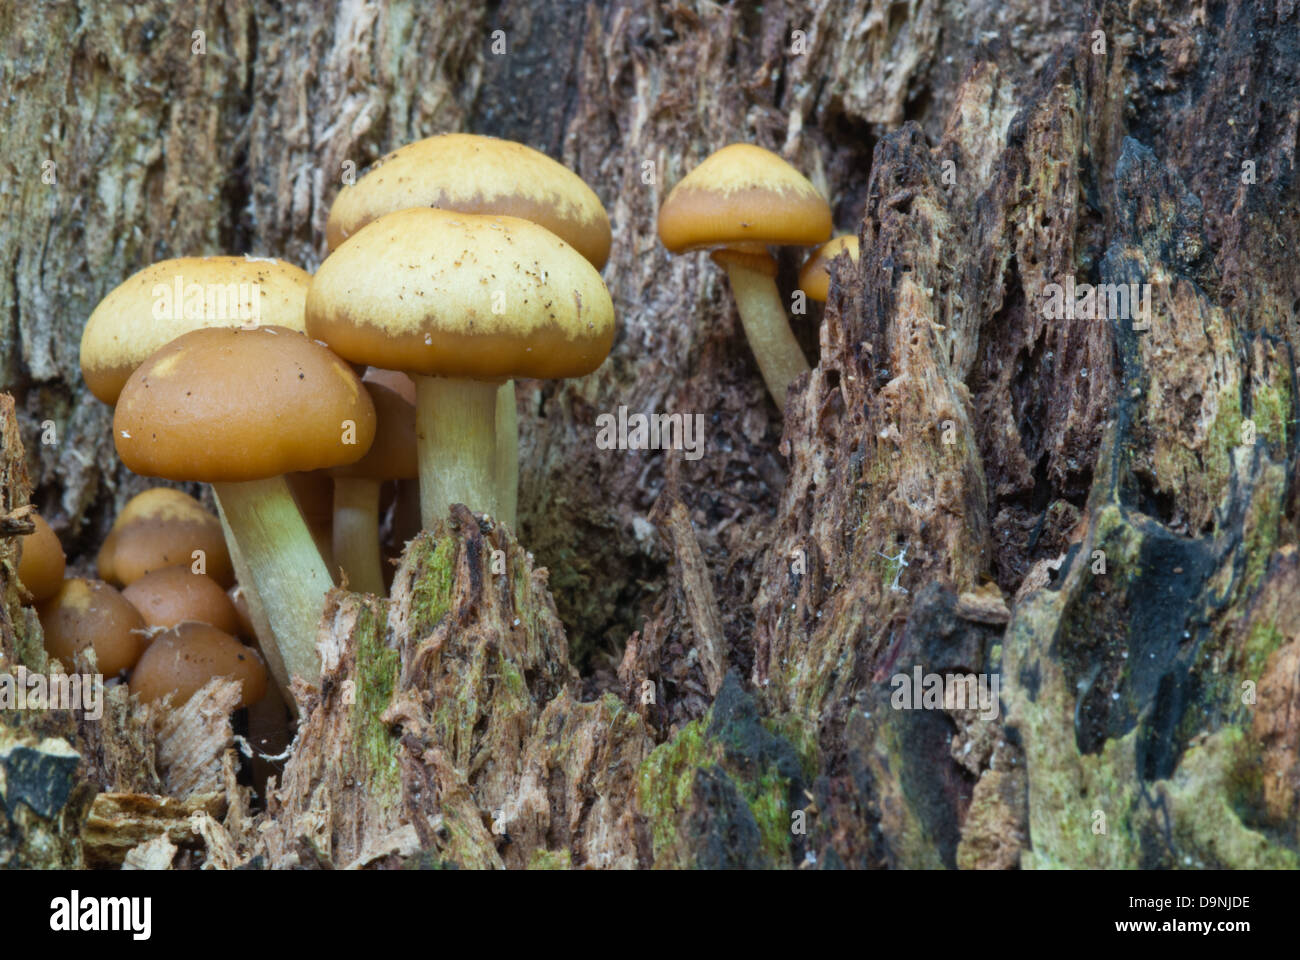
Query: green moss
point(801, 734)
point(550, 860)
point(768, 799)
point(1262, 640)
point(376, 677)
point(1262, 526)
point(431, 591)
point(665, 779)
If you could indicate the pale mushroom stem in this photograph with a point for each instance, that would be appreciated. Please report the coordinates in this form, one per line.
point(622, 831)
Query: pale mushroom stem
point(283, 571)
point(507, 464)
point(763, 314)
point(356, 533)
point(455, 426)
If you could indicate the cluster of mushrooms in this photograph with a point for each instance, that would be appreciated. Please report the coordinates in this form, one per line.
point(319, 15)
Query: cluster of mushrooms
point(457, 265)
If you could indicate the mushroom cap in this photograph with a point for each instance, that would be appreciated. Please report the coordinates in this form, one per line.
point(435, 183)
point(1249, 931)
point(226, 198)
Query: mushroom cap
point(467, 173)
point(90, 612)
point(416, 291)
point(181, 660)
point(815, 276)
point(227, 405)
point(166, 597)
point(41, 561)
point(743, 194)
point(161, 528)
point(393, 454)
point(131, 323)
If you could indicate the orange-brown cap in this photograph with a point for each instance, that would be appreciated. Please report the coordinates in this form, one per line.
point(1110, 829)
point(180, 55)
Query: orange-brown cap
point(181, 660)
point(461, 295)
point(467, 173)
point(232, 405)
point(170, 298)
point(90, 612)
point(393, 454)
point(743, 194)
point(41, 561)
point(172, 594)
point(815, 276)
point(161, 528)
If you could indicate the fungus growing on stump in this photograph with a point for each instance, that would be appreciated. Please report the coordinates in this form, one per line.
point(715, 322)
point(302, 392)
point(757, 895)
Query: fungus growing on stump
point(172, 297)
point(180, 661)
point(815, 274)
point(468, 173)
point(239, 408)
point(90, 613)
point(162, 528)
point(737, 202)
point(41, 561)
point(171, 595)
point(461, 302)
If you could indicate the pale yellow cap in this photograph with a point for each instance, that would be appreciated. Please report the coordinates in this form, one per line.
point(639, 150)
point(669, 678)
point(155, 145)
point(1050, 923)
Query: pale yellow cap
point(153, 307)
point(466, 173)
point(743, 194)
point(460, 295)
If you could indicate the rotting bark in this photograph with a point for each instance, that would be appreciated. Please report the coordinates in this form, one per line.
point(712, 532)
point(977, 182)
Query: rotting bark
point(709, 647)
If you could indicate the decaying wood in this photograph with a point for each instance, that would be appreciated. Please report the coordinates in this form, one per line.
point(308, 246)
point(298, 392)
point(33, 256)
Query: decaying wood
point(690, 662)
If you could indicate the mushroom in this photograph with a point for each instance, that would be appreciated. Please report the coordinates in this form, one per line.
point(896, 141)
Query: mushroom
point(467, 173)
point(462, 302)
point(238, 409)
point(166, 597)
point(162, 528)
point(815, 274)
point(356, 486)
point(172, 297)
point(314, 493)
point(41, 561)
point(181, 660)
point(90, 613)
point(742, 199)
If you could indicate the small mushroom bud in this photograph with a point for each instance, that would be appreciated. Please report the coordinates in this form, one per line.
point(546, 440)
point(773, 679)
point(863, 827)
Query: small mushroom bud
point(90, 612)
point(163, 528)
point(168, 596)
point(41, 561)
point(181, 660)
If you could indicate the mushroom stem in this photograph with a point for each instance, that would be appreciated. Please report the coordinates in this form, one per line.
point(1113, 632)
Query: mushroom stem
point(280, 559)
point(763, 314)
point(356, 533)
point(455, 425)
point(257, 615)
point(507, 464)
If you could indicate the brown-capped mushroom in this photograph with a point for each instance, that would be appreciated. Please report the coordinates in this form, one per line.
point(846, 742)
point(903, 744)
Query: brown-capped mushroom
point(41, 561)
point(815, 276)
point(739, 201)
point(162, 528)
point(240, 408)
point(180, 661)
point(168, 596)
point(90, 613)
point(463, 303)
